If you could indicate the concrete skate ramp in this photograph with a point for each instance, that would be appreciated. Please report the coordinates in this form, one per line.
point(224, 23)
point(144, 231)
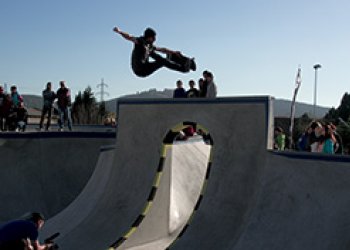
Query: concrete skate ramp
point(85, 202)
point(303, 203)
point(45, 171)
point(239, 128)
point(180, 187)
point(254, 198)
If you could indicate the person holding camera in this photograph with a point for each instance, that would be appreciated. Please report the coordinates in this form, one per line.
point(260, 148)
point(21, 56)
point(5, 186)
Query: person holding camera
point(23, 234)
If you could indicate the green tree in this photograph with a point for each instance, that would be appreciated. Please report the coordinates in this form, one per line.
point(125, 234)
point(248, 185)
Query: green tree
point(85, 108)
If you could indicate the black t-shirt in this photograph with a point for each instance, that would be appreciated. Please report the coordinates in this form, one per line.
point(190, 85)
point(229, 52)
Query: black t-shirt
point(18, 230)
point(192, 93)
point(203, 89)
point(141, 52)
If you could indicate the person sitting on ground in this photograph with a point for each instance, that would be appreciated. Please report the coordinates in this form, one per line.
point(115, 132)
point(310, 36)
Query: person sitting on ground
point(192, 92)
point(179, 92)
point(21, 117)
point(280, 139)
point(211, 86)
point(23, 234)
point(144, 49)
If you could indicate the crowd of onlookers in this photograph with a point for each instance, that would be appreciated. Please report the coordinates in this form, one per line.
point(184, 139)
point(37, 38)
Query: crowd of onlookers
point(207, 88)
point(14, 116)
point(317, 138)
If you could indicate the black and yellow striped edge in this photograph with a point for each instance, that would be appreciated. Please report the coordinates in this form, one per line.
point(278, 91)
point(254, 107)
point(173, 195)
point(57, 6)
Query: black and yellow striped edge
point(156, 182)
point(203, 189)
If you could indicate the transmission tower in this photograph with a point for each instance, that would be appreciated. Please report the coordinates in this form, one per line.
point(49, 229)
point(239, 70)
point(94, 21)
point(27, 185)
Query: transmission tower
point(103, 92)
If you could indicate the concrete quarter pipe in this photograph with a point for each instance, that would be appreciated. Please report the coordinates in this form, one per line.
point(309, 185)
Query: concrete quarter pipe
point(254, 199)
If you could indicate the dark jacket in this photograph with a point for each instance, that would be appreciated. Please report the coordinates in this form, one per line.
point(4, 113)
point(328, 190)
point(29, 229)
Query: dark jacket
point(63, 98)
point(179, 93)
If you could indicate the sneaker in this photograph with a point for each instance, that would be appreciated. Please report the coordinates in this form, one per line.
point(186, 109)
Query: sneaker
point(60, 130)
point(193, 65)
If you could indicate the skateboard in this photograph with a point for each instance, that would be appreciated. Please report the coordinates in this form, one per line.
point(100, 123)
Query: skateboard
point(188, 63)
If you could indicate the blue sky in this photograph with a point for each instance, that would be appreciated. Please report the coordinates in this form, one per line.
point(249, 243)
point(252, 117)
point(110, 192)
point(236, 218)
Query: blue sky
point(252, 47)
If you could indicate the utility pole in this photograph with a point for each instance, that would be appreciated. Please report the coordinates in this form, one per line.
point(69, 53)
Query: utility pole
point(316, 67)
point(102, 93)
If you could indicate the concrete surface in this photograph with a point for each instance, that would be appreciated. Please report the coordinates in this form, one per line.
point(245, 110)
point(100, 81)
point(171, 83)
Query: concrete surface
point(45, 171)
point(180, 187)
point(255, 198)
point(233, 124)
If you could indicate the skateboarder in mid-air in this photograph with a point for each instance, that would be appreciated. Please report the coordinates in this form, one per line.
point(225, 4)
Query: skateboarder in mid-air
point(144, 49)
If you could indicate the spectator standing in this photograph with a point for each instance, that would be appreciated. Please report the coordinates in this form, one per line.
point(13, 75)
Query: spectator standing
point(338, 145)
point(315, 136)
point(179, 92)
point(280, 139)
point(16, 97)
point(64, 106)
point(202, 87)
point(2, 102)
point(326, 143)
point(49, 97)
point(304, 140)
point(193, 91)
point(211, 86)
point(7, 110)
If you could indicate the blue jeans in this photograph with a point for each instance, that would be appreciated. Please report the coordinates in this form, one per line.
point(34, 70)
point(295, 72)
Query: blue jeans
point(64, 114)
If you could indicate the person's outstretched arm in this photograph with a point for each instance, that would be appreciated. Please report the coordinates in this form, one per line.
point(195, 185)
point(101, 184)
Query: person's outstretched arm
point(125, 35)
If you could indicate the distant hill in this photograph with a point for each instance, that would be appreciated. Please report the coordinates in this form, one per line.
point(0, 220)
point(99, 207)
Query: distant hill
point(33, 101)
point(281, 107)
